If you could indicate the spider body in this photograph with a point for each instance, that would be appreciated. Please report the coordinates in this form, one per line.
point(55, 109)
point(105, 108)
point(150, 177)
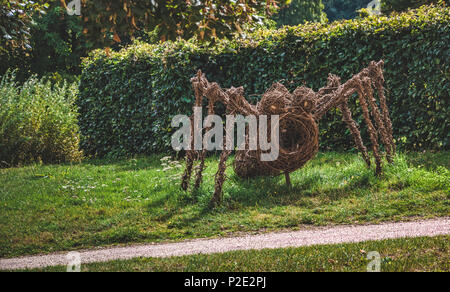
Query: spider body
point(299, 113)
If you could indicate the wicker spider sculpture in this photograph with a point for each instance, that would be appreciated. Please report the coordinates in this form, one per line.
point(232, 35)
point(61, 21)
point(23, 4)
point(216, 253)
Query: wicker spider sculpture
point(299, 113)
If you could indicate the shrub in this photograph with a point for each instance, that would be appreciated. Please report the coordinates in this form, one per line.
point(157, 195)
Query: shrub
point(343, 9)
point(300, 11)
point(388, 6)
point(38, 122)
point(127, 100)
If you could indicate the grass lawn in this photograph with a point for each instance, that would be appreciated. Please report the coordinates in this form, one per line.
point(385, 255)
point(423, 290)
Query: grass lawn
point(101, 202)
point(408, 255)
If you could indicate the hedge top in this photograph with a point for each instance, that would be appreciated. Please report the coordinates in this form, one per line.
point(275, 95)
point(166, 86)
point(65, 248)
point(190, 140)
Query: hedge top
point(303, 34)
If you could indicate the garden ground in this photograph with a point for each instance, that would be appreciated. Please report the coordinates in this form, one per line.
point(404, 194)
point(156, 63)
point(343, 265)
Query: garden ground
point(45, 209)
point(406, 254)
point(306, 237)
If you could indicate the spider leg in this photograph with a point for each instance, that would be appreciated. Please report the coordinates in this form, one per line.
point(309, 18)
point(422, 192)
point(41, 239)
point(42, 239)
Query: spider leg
point(198, 83)
point(235, 103)
point(213, 93)
point(220, 177)
point(201, 166)
point(288, 180)
point(363, 83)
point(386, 118)
point(378, 80)
point(220, 174)
point(380, 123)
point(324, 98)
point(353, 127)
point(372, 131)
point(190, 158)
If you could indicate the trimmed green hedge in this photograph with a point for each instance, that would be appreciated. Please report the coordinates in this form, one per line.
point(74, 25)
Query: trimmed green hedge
point(127, 100)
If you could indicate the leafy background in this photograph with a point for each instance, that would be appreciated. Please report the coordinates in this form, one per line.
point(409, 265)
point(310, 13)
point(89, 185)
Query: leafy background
point(127, 100)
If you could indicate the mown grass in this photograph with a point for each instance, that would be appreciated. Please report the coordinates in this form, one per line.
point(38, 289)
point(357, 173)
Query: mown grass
point(398, 255)
point(100, 202)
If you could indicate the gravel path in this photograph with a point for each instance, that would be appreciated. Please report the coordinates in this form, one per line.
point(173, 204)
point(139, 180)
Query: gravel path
point(314, 236)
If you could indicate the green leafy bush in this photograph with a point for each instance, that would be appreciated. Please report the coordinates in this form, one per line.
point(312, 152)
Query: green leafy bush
point(38, 122)
point(343, 9)
point(127, 100)
point(388, 6)
point(300, 11)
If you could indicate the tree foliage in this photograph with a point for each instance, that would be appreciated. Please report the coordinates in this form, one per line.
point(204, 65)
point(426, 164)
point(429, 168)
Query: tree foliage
point(15, 25)
point(296, 12)
point(107, 20)
point(57, 42)
point(343, 9)
point(389, 6)
point(50, 42)
point(15, 19)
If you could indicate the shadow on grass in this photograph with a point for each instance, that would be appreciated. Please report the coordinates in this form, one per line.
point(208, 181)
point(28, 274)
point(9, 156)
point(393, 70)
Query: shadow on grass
point(273, 191)
point(181, 209)
point(184, 207)
point(429, 160)
point(129, 164)
point(263, 192)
